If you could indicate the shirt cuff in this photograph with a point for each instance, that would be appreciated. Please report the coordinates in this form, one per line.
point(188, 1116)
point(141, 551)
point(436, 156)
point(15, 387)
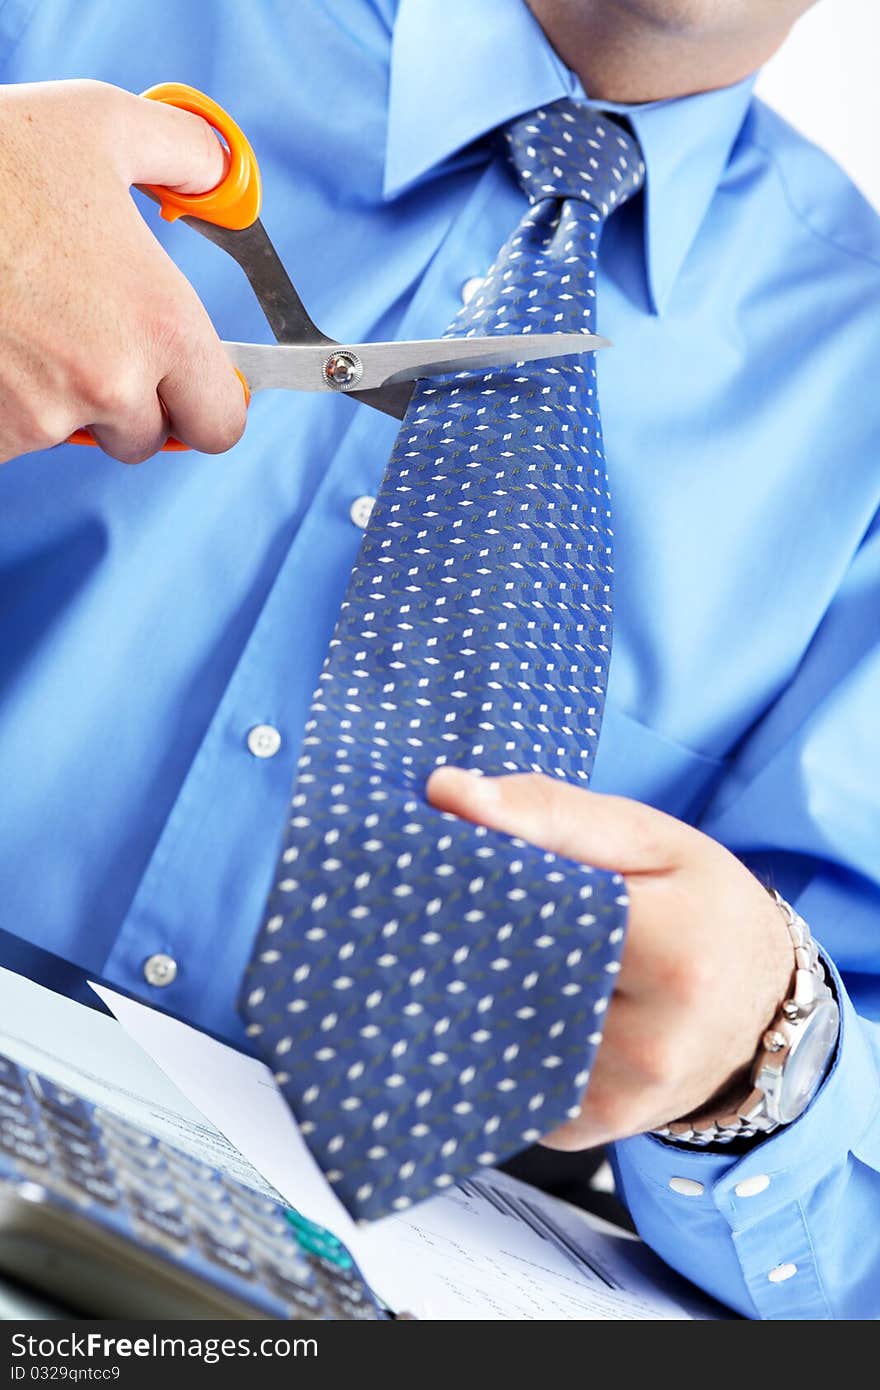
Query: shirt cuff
point(676, 1194)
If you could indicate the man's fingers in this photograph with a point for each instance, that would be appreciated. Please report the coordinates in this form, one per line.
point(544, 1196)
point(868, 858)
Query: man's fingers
point(203, 398)
point(629, 1082)
point(610, 832)
point(137, 434)
point(167, 146)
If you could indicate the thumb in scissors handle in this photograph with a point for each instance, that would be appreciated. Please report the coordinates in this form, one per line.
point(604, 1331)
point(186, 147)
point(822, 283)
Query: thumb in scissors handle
point(236, 200)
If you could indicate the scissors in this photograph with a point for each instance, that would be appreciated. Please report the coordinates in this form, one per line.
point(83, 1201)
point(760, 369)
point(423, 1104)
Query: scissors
point(382, 375)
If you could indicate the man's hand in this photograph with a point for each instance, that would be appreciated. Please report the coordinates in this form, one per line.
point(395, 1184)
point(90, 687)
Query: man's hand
point(707, 960)
point(98, 327)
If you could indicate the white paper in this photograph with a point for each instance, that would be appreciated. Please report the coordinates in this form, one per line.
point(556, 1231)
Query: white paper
point(486, 1251)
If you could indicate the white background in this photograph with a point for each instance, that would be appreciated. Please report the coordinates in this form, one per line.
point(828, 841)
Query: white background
point(826, 81)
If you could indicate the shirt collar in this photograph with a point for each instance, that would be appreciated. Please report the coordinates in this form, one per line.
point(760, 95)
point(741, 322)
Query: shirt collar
point(455, 77)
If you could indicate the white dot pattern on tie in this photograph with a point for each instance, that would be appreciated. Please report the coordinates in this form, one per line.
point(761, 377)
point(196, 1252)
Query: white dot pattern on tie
point(431, 993)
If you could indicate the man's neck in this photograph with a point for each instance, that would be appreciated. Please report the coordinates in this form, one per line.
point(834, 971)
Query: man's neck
point(621, 55)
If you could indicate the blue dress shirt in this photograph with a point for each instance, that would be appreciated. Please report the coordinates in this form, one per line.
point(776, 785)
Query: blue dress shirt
point(152, 618)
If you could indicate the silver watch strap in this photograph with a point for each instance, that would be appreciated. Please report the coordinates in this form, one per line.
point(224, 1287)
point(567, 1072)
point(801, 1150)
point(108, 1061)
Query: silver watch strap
point(750, 1117)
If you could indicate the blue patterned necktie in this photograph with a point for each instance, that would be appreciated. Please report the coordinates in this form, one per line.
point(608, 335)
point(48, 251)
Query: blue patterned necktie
point(430, 993)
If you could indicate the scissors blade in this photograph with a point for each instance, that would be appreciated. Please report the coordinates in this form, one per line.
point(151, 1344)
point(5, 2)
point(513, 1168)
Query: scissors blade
point(285, 312)
point(276, 295)
point(386, 372)
point(372, 366)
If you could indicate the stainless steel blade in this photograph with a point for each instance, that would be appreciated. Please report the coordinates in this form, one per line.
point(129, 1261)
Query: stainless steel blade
point(285, 312)
point(384, 373)
point(371, 366)
point(267, 277)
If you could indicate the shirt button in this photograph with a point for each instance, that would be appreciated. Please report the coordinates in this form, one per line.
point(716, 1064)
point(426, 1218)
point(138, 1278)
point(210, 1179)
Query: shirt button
point(470, 288)
point(750, 1187)
point(686, 1187)
point(264, 741)
point(160, 970)
point(361, 510)
point(781, 1273)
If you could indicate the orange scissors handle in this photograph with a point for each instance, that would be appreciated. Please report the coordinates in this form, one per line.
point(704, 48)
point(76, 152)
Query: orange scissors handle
point(236, 200)
point(234, 203)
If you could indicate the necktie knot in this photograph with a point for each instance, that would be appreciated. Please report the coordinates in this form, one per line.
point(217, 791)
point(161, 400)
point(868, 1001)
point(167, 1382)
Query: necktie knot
point(570, 151)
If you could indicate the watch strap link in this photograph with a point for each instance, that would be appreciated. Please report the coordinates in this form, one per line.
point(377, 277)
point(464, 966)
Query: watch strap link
point(751, 1117)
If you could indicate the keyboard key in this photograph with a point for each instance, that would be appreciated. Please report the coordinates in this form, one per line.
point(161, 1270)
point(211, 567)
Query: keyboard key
point(192, 1167)
point(294, 1271)
point(234, 1260)
point(209, 1196)
point(229, 1235)
point(303, 1302)
point(251, 1201)
point(55, 1099)
point(27, 1152)
point(102, 1189)
point(147, 1168)
point(264, 1238)
point(18, 1128)
point(160, 1196)
point(70, 1129)
point(168, 1223)
point(88, 1164)
point(123, 1133)
point(14, 1114)
point(76, 1149)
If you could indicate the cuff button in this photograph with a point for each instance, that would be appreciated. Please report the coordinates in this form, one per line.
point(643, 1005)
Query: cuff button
point(686, 1187)
point(750, 1187)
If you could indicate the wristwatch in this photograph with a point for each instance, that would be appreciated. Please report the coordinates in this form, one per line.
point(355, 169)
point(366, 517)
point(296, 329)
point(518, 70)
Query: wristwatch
point(792, 1058)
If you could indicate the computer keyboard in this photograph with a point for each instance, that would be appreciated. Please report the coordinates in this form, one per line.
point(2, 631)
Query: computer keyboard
point(57, 1148)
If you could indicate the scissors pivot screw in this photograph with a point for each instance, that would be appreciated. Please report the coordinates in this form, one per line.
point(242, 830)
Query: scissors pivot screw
point(342, 370)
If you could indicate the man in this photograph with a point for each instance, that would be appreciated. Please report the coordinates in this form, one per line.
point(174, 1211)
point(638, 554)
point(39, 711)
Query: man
point(164, 626)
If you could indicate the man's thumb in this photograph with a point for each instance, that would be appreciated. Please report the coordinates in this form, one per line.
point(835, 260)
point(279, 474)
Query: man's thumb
point(171, 147)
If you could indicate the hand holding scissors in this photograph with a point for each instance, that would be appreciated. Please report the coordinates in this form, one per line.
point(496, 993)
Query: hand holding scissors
point(303, 358)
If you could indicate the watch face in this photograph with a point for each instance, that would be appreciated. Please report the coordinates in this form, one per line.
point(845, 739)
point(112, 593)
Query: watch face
point(806, 1063)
